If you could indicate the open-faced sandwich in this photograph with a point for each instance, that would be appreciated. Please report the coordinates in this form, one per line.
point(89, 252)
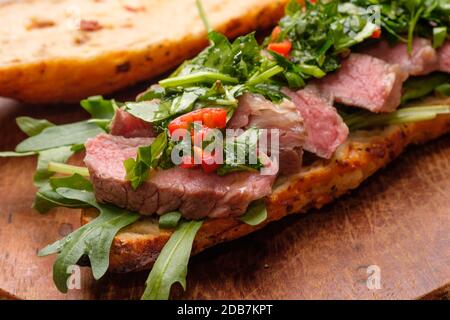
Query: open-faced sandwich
point(244, 134)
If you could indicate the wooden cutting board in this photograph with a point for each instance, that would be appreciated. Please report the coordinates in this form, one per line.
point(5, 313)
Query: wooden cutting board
point(395, 228)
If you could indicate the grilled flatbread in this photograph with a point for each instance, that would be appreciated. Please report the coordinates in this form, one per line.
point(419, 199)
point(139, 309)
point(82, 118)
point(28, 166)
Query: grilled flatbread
point(63, 51)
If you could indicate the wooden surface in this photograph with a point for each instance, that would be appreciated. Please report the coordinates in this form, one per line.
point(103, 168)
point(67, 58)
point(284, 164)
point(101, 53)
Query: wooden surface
point(399, 220)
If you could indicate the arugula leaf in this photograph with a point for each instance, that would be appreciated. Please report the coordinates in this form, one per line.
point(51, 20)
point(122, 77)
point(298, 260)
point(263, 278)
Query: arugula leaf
point(154, 92)
point(171, 265)
point(147, 158)
point(58, 136)
point(32, 126)
point(47, 198)
point(439, 35)
point(100, 108)
point(8, 154)
point(76, 181)
point(156, 111)
point(184, 103)
point(443, 90)
point(63, 168)
point(149, 111)
point(77, 147)
point(417, 87)
point(364, 119)
point(101, 123)
point(169, 220)
point(61, 154)
point(256, 213)
point(271, 91)
point(93, 239)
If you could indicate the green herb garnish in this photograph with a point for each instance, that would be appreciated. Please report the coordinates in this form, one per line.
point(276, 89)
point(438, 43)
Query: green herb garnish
point(171, 265)
point(321, 32)
point(256, 213)
point(240, 153)
point(169, 220)
point(404, 19)
point(100, 108)
point(32, 126)
point(318, 33)
point(147, 158)
point(93, 239)
point(47, 198)
point(12, 154)
point(63, 168)
point(418, 87)
point(365, 119)
point(58, 136)
point(58, 155)
point(443, 90)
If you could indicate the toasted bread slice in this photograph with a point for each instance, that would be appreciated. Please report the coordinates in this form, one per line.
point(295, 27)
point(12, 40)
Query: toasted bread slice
point(136, 247)
point(64, 51)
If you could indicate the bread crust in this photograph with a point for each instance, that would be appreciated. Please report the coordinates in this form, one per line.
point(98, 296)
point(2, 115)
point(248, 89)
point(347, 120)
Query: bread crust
point(136, 247)
point(45, 75)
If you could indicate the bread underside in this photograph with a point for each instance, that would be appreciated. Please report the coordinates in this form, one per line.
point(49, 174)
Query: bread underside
point(46, 58)
point(136, 247)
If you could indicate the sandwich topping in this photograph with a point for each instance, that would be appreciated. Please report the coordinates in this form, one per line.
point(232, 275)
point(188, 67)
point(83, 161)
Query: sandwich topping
point(210, 140)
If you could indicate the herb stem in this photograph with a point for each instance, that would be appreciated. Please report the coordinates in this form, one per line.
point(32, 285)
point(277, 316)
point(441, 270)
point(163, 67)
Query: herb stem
point(223, 102)
point(269, 73)
point(202, 13)
point(67, 169)
point(364, 119)
point(209, 77)
point(412, 27)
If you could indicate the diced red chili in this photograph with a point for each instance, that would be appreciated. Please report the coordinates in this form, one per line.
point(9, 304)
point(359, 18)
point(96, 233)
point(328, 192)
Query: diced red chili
point(376, 33)
point(282, 48)
point(213, 118)
point(210, 118)
point(187, 162)
point(208, 163)
point(276, 34)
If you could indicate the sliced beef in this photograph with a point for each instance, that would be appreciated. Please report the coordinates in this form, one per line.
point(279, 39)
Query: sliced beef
point(422, 60)
point(191, 191)
point(444, 57)
point(256, 111)
point(324, 126)
point(366, 82)
point(127, 125)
